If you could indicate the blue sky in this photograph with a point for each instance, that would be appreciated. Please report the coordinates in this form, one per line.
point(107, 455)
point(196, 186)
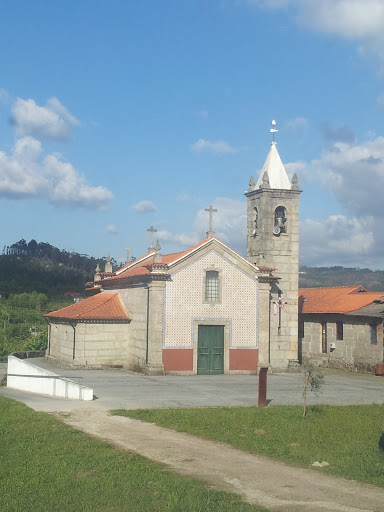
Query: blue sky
point(119, 115)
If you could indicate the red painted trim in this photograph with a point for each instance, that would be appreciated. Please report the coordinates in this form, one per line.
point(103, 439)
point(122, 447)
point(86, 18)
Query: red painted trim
point(178, 360)
point(243, 359)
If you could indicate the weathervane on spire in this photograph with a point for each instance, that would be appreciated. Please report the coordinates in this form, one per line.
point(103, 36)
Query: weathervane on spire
point(273, 130)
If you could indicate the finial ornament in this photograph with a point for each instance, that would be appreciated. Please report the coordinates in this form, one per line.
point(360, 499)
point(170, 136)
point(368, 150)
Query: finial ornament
point(251, 183)
point(295, 182)
point(265, 183)
point(273, 130)
point(157, 258)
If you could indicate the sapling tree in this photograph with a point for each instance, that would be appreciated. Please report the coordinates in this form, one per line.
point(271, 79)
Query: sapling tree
point(313, 380)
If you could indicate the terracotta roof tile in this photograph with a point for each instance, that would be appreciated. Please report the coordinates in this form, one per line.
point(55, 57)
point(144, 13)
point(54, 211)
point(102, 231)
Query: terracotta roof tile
point(143, 266)
point(263, 268)
point(104, 306)
point(341, 300)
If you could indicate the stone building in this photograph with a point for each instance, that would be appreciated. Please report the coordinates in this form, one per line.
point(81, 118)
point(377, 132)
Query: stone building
point(196, 311)
point(341, 326)
point(273, 237)
point(199, 311)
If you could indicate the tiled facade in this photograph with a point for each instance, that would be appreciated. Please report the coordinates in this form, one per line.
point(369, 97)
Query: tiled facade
point(185, 303)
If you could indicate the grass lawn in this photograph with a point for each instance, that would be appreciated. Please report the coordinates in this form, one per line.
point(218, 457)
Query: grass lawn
point(345, 437)
point(48, 466)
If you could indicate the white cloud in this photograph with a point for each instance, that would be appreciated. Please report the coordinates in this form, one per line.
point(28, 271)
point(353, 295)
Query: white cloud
point(111, 229)
point(218, 147)
point(50, 122)
point(352, 19)
point(355, 20)
point(26, 173)
point(229, 225)
point(181, 240)
point(354, 174)
point(337, 240)
point(144, 207)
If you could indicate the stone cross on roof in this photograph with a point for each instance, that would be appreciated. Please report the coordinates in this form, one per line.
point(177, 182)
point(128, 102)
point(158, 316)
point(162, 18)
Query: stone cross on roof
point(151, 230)
point(128, 249)
point(210, 210)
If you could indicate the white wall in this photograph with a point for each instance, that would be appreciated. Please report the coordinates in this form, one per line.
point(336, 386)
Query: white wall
point(43, 381)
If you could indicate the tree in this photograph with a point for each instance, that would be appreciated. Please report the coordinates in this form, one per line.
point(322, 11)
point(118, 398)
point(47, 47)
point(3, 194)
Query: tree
point(38, 342)
point(313, 380)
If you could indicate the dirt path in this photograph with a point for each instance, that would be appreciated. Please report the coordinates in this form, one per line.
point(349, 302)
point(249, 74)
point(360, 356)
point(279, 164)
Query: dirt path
point(258, 479)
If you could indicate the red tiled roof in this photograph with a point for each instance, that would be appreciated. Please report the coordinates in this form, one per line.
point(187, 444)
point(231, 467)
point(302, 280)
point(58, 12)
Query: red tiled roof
point(340, 300)
point(143, 266)
point(263, 268)
point(104, 306)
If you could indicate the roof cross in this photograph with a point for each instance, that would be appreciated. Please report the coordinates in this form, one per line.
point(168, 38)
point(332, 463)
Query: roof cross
point(210, 210)
point(128, 249)
point(151, 230)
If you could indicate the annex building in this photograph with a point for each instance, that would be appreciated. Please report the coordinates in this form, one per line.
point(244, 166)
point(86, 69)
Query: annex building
point(342, 326)
point(203, 310)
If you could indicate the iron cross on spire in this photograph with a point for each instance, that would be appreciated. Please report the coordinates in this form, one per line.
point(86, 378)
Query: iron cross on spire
point(210, 210)
point(128, 249)
point(151, 230)
point(273, 130)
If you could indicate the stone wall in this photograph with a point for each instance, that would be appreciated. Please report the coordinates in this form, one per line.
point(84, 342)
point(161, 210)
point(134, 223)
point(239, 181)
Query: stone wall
point(354, 351)
point(91, 345)
point(280, 252)
point(135, 303)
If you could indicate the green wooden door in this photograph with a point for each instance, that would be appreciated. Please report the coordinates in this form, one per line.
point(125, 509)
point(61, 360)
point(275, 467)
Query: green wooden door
point(210, 351)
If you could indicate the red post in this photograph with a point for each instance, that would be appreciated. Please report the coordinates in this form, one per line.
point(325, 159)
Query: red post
point(263, 387)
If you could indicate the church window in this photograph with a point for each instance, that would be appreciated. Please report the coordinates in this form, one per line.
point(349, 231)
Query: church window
point(280, 223)
point(212, 286)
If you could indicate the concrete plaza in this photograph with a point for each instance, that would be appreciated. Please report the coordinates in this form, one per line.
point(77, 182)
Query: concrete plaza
point(115, 389)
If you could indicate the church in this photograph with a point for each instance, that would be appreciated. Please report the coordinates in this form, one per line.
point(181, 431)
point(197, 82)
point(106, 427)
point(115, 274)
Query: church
point(203, 310)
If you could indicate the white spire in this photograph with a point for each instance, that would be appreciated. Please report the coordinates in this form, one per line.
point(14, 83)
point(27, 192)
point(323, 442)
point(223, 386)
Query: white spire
point(274, 167)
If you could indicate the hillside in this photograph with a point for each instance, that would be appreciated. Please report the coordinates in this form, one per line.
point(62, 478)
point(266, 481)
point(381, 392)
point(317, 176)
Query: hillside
point(313, 277)
point(43, 268)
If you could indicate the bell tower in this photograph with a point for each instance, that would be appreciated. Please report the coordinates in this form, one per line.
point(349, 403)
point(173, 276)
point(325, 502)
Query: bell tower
point(273, 241)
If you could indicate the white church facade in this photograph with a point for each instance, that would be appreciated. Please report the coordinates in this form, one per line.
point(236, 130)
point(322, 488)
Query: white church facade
point(204, 310)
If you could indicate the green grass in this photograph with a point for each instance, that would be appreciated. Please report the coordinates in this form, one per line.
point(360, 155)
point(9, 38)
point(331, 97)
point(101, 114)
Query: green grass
point(48, 466)
point(345, 437)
